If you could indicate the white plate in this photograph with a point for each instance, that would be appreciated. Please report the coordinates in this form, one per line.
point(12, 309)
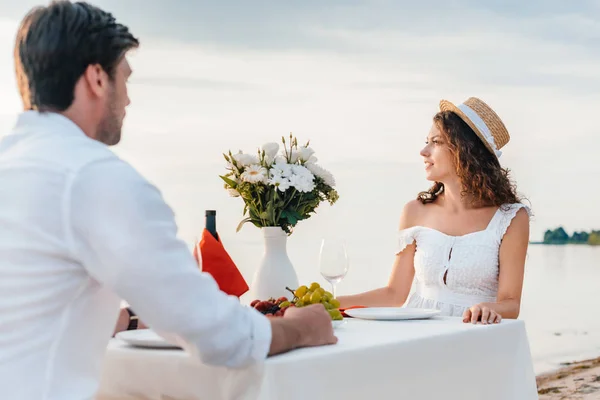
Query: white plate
point(391, 313)
point(145, 338)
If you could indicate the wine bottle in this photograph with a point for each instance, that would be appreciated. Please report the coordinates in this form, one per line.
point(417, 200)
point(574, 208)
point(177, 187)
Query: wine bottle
point(211, 223)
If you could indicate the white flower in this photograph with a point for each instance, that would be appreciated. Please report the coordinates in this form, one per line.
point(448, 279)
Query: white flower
point(304, 153)
point(321, 173)
point(302, 183)
point(281, 183)
point(255, 174)
point(302, 171)
point(302, 179)
point(245, 160)
point(281, 167)
point(294, 155)
point(270, 150)
point(268, 161)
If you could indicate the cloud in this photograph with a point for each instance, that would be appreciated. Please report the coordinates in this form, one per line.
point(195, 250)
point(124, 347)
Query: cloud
point(186, 82)
point(263, 24)
point(410, 45)
point(287, 25)
point(535, 44)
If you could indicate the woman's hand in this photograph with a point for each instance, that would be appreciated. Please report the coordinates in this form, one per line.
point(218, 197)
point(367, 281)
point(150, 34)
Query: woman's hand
point(481, 313)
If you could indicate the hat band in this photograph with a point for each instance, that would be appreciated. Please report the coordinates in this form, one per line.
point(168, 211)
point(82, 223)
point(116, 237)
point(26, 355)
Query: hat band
point(475, 119)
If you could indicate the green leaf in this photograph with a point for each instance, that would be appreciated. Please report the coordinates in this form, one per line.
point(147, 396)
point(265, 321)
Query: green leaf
point(291, 216)
point(295, 214)
point(271, 212)
point(229, 181)
point(242, 222)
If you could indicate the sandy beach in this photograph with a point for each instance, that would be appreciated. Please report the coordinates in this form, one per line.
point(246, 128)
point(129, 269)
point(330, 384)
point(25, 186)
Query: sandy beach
point(577, 380)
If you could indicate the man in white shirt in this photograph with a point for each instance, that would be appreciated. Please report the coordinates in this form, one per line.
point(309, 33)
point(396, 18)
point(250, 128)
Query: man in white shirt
point(80, 229)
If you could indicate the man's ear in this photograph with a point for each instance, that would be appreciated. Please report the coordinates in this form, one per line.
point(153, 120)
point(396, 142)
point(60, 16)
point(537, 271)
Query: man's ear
point(96, 79)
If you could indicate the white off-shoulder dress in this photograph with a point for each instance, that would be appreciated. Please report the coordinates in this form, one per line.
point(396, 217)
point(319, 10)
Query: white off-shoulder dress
point(453, 273)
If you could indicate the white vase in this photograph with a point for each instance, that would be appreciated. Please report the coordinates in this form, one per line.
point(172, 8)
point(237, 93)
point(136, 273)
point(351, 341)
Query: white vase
point(275, 270)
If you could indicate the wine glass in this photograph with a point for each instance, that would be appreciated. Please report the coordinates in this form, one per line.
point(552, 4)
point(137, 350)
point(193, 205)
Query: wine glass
point(333, 261)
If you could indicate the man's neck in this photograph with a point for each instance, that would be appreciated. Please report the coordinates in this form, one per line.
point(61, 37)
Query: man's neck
point(79, 119)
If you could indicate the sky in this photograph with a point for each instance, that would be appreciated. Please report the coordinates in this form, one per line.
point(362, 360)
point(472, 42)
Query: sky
point(361, 80)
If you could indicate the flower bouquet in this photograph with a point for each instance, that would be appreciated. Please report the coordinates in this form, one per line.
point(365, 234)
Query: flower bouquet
point(279, 188)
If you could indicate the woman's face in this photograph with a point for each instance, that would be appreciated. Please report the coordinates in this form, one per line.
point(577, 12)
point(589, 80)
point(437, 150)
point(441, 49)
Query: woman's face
point(439, 161)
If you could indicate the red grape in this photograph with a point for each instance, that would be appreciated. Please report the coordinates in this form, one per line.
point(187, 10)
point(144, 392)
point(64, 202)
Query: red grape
point(263, 306)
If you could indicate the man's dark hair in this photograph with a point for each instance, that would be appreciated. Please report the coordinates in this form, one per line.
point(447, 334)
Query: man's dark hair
point(56, 44)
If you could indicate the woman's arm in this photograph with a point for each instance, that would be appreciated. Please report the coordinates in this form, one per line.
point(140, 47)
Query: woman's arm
point(513, 252)
point(397, 289)
point(403, 271)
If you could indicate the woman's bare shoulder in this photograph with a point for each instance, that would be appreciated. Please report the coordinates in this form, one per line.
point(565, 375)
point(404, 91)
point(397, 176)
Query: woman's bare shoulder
point(412, 214)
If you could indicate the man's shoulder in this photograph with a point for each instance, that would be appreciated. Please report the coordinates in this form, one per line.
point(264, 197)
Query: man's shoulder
point(79, 152)
point(67, 153)
point(110, 172)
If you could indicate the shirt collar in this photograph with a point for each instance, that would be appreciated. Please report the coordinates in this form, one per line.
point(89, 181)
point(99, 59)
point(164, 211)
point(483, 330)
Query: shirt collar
point(46, 121)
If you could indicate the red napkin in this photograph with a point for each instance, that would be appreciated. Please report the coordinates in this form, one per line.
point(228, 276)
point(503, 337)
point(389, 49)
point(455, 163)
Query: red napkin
point(217, 262)
point(349, 308)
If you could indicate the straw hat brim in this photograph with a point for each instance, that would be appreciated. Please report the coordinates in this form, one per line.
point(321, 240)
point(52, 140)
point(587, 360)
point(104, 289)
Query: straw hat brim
point(446, 105)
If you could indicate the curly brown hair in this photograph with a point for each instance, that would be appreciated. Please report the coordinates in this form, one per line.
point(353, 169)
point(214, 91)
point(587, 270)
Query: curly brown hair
point(480, 173)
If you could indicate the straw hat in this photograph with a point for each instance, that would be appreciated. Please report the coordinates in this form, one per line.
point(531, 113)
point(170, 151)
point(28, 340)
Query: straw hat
point(483, 120)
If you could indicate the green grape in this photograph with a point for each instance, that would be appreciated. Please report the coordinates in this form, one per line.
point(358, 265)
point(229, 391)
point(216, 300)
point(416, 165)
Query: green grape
point(301, 291)
point(329, 294)
point(306, 298)
point(314, 286)
point(327, 305)
point(335, 314)
point(315, 298)
point(335, 303)
point(299, 303)
point(284, 304)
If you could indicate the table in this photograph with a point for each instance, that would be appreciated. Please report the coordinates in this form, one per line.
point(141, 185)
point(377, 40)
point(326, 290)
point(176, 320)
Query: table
point(438, 358)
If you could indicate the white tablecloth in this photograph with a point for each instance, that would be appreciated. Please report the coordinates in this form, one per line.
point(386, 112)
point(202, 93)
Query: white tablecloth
point(440, 358)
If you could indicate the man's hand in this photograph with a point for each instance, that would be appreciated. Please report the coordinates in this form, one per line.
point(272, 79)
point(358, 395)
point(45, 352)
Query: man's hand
point(316, 323)
point(302, 327)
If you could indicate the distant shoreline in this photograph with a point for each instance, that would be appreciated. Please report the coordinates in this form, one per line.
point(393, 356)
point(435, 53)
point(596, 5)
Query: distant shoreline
point(560, 236)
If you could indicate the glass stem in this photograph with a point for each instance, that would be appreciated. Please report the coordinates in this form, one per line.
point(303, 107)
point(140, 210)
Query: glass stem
point(333, 289)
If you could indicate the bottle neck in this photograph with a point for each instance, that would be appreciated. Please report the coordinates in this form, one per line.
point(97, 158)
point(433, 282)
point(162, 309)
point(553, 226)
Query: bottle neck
point(211, 225)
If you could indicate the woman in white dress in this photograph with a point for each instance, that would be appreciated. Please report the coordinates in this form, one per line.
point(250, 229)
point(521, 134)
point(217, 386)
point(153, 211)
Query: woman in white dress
point(463, 241)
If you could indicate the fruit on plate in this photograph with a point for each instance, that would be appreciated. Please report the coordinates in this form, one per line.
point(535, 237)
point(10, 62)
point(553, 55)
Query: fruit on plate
point(272, 307)
point(315, 294)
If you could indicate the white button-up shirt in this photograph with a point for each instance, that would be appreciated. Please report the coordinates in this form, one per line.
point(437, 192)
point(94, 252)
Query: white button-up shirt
point(80, 230)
